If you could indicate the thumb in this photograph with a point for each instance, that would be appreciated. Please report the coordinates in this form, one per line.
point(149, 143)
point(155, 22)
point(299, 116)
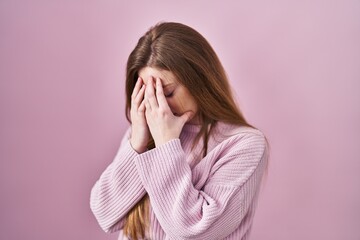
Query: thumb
point(187, 116)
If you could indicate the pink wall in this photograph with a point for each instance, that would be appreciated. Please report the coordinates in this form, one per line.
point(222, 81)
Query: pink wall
point(295, 67)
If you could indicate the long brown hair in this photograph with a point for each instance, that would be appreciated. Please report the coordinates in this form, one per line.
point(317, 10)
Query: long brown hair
point(187, 54)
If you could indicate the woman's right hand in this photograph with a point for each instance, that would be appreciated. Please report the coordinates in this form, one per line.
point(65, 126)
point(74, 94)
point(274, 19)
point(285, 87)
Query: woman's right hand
point(139, 129)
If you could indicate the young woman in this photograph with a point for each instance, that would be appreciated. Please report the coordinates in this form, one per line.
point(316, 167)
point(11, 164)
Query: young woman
point(189, 166)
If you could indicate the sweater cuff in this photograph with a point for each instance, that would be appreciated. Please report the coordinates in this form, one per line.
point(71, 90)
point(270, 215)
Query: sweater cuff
point(126, 153)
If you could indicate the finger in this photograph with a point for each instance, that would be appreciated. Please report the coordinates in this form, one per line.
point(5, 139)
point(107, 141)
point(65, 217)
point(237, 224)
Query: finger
point(187, 116)
point(140, 96)
point(147, 110)
point(137, 87)
point(160, 95)
point(150, 94)
point(147, 104)
point(142, 107)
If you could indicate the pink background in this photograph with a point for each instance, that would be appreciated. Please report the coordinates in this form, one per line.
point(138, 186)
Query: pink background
point(295, 68)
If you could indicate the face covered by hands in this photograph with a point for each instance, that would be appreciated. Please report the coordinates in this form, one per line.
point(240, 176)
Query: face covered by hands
point(167, 108)
point(163, 124)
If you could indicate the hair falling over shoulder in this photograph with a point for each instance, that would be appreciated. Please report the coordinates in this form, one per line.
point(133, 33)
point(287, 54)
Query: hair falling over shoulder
point(188, 55)
point(137, 220)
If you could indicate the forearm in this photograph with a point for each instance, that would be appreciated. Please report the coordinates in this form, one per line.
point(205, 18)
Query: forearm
point(118, 189)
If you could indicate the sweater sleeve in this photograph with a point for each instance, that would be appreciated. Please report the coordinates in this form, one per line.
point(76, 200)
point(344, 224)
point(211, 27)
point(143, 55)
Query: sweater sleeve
point(219, 207)
point(118, 189)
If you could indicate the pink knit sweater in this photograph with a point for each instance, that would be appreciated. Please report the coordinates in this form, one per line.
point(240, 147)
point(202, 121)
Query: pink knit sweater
point(191, 198)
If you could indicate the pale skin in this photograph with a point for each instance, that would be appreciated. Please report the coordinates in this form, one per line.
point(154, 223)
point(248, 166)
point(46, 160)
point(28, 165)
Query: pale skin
point(161, 111)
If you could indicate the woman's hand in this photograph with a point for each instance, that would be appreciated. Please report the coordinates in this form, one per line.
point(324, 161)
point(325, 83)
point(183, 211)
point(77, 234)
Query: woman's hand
point(139, 129)
point(163, 124)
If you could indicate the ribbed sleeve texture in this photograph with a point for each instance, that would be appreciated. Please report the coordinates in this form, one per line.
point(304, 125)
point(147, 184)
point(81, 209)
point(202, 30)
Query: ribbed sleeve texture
point(191, 198)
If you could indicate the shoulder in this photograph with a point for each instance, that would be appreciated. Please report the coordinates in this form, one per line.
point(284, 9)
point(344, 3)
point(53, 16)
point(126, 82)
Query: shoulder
point(237, 152)
point(232, 140)
point(225, 133)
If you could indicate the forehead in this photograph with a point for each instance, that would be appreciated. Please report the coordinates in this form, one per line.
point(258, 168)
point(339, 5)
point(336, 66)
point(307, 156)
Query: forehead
point(166, 77)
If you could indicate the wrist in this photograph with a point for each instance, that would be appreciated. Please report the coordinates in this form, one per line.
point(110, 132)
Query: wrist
point(139, 149)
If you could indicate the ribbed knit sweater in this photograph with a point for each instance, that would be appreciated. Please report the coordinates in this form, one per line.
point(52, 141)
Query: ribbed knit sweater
point(191, 197)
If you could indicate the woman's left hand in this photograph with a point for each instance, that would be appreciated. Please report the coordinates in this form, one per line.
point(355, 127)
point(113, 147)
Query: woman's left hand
point(163, 124)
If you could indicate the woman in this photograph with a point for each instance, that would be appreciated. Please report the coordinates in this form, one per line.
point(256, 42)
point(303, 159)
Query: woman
point(189, 166)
